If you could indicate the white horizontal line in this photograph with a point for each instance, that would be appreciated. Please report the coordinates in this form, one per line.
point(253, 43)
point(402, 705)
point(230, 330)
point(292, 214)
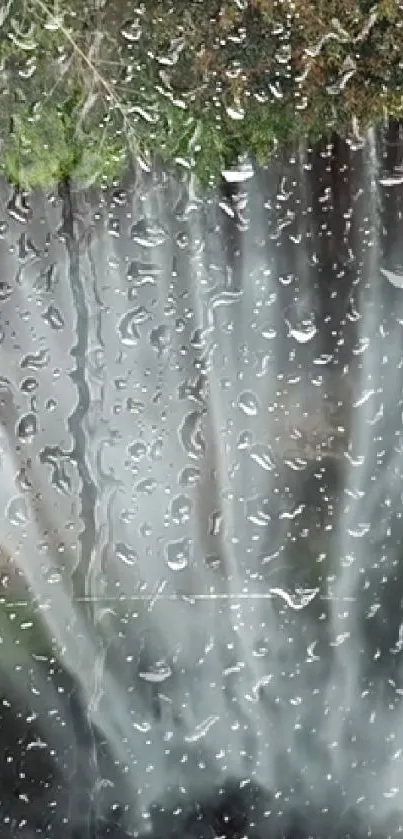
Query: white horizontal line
point(173, 597)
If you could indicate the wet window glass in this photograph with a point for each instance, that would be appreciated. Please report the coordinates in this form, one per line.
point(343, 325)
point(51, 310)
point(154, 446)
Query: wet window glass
point(201, 396)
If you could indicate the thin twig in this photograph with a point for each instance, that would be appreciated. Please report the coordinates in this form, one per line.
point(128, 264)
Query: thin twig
point(87, 60)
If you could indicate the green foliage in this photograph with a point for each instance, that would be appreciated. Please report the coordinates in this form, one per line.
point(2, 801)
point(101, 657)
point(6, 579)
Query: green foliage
point(212, 155)
point(37, 152)
point(84, 89)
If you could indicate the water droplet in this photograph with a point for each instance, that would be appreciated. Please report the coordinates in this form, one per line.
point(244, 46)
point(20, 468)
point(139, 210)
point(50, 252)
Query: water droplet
point(96, 362)
point(156, 449)
point(127, 329)
point(53, 576)
point(17, 207)
point(113, 227)
point(238, 175)
point(306, 333)
point(189, 476)
point(269, 333)
point(145, 530)
point(132, 32)
point(393, 180)
point(143, 273)
point(360, 530)
point(244, 440)
point(160, 339)
point(181, 507)
point(298, 600)
point(6, 291)
point(201, 729)
point(54, 318)
point(125, 554)
point(29, 385)
point(248, 403)
point(134, 406)
point(127, 516)
point(158, 672)
point(121, 383)
point(148, 235)
point(236, 114)
point(262, 455)
point(215, 523)
point(178, 554)
point(182, 240)
point(147, 486)
point(140, 314)
point(261, 649)
point(17, 511)
point(258, 511)
point(190, 435)
point(35, 361)
point(27, 427)
point(137, 450)
point(395, 277)
point(213, 561)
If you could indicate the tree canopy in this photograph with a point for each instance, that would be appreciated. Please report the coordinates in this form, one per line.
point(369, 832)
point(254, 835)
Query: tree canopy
point(85, 88)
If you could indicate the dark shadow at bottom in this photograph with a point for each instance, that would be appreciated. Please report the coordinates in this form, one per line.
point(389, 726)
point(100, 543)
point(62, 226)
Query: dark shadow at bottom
point(51, 761)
